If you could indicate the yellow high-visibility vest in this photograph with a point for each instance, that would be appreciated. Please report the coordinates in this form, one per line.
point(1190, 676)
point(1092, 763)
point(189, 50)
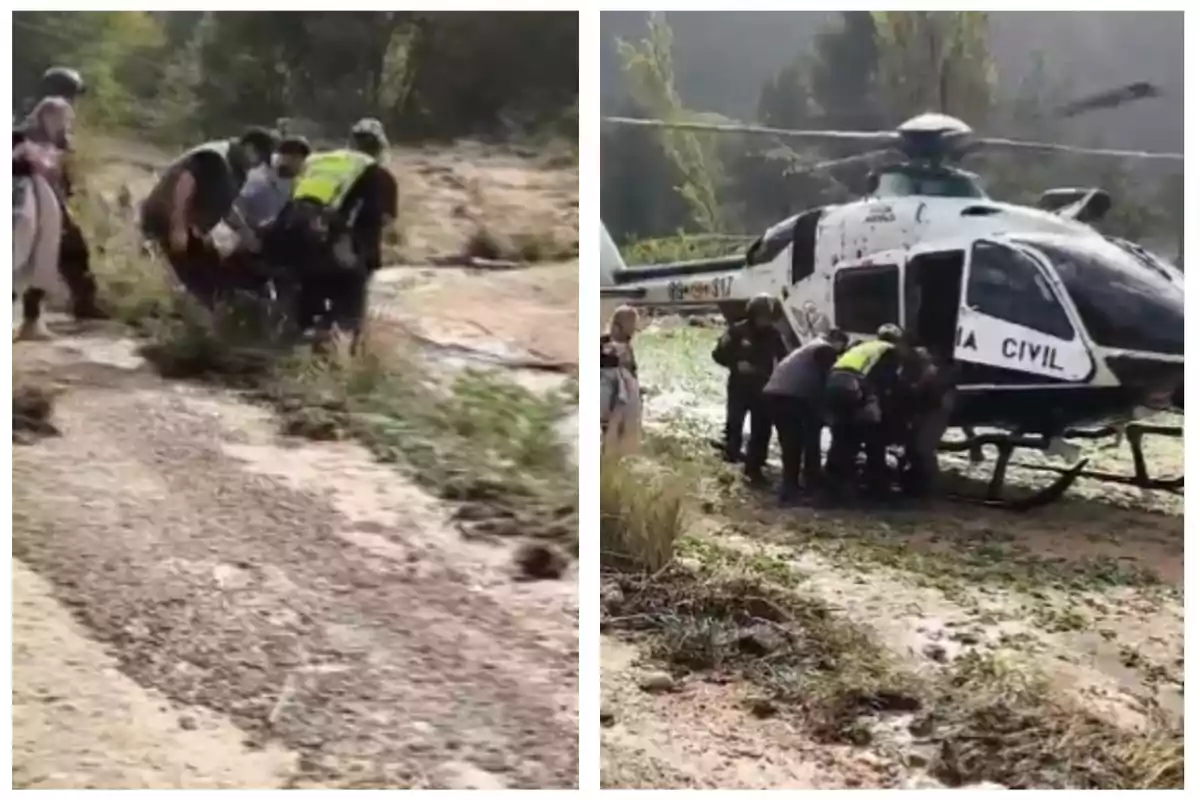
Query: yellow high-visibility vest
point(863, 356)
point(327, 177)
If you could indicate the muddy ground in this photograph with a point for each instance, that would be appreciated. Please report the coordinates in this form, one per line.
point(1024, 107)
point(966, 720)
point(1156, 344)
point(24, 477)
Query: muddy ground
point(200, 602)
point(1087, 594)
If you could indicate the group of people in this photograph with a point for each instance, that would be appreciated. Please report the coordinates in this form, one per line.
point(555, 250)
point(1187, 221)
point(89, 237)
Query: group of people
point(870, 394)
point(228, 214)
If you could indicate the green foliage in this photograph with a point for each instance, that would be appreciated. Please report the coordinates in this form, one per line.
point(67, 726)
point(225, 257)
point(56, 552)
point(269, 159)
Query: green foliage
point(181, 76)
point(682, 247)
point(934, 61)
point(651, 74)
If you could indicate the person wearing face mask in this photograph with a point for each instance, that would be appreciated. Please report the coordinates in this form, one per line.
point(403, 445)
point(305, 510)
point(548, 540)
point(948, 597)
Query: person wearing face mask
point(194, 194)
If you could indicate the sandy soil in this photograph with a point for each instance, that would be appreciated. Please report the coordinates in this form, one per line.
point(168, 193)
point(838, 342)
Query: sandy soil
point(78, 722)
point(531, 312)
point(315, 598)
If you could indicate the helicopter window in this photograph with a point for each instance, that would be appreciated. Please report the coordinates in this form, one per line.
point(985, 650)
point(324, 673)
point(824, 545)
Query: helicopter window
point(930, 184)
point(1121, 303)
point(766, 247)
point(1006, 284)
point(866, 297)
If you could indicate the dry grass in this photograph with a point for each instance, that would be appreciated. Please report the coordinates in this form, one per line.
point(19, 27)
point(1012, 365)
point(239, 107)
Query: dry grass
point(794, 648)
point(994, 721)
point(642, 513)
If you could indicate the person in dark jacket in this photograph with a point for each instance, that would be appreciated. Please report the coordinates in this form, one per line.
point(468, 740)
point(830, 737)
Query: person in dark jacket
point(927, 407)
point(862, 387)
point(795, 393)
point(750, 349)
point(193, 195)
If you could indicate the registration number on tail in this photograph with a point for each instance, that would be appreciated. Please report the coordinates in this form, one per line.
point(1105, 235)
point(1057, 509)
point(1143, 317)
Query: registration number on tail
point(694, 291)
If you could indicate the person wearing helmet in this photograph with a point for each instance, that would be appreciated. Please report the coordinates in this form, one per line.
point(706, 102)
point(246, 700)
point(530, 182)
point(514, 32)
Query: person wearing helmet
point(862, 388)
point(195, 193)
point(62, 82)
point(750, 349)
point(48, 125)
point(332, 230)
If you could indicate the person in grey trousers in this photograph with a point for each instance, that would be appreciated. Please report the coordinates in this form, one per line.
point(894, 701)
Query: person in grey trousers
point(793, 395)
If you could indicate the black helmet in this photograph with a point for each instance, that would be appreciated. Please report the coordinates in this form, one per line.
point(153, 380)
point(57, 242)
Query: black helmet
point(261, 140)
point(760, 304)
point(62, 82)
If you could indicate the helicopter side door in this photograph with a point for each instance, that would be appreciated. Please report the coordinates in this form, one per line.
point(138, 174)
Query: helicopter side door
point(1013, 328)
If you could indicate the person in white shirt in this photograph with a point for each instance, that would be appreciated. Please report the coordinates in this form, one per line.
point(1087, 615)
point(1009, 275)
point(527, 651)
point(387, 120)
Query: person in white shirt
point(267, 190)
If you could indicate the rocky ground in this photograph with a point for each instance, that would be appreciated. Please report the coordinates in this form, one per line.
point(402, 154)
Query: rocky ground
point(1083, 599)
point(201, 602)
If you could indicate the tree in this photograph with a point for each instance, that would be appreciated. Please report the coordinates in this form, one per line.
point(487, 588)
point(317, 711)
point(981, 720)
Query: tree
point(188, 75)
point(650, 75)
point(831, 87)
point(934, 61)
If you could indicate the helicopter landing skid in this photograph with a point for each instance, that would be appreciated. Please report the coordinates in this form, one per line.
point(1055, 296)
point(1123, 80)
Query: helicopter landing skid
point(1005, 446)
point(1134, 434)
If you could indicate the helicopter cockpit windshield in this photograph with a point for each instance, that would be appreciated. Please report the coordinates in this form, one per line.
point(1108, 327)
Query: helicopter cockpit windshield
point(908, 181)
point(1122, 304)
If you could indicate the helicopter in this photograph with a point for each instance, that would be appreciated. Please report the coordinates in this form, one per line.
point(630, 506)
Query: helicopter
point(1053, 330)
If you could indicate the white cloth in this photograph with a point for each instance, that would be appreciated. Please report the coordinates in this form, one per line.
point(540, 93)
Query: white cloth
point(37, 234)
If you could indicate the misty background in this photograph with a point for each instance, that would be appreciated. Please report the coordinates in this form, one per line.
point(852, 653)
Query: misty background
point(1005, 73)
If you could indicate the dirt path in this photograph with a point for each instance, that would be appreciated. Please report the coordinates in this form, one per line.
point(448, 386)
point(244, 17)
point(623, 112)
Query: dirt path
point(78, 722)
point(318, 600)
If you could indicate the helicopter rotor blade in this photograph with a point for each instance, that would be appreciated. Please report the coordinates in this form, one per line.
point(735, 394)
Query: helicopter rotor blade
point(823, 166)
point(757, 130)
point(1049, 147)
point(1111, 98)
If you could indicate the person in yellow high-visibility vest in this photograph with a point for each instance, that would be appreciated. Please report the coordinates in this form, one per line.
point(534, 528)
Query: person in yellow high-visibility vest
point(332, 231)
point(860, 388)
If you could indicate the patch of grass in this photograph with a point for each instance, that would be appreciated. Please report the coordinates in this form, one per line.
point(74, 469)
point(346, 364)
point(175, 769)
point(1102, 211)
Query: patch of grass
point(793, 648)
point(713, 558)
point(995, 722)
point(642, 513)
point(683, 247)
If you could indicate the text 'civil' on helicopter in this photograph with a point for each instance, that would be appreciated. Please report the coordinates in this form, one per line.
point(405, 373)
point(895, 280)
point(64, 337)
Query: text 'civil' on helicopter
point(1053, 330)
